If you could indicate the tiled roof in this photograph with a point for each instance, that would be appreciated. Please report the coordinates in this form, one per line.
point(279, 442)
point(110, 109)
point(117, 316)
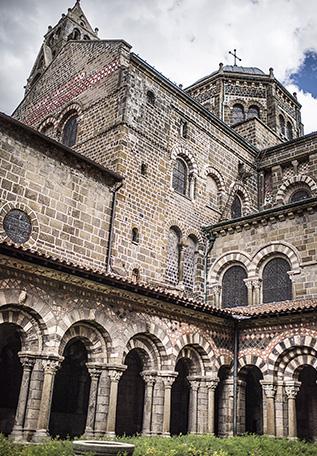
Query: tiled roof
point(275, 308)
point(241, 69)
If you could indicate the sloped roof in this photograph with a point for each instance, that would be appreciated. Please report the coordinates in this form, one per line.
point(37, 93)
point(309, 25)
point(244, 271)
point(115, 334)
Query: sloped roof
point(241, 69)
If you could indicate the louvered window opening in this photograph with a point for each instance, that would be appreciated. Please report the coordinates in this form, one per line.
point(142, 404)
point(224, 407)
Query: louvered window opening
point(234, 290)
point(237, 114)
point(70, 132)
point(277, 285)
point(236, 207)
point(180, 177)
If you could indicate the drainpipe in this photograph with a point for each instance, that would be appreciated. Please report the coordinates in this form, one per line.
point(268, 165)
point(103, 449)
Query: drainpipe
point(210, 243)
point(114, 191)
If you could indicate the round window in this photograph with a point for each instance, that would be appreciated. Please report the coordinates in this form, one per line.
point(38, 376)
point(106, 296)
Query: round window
point(17, 226)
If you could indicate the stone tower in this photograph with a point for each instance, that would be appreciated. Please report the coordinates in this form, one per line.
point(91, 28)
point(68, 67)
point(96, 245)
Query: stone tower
point(237, 94)
point(72, 26)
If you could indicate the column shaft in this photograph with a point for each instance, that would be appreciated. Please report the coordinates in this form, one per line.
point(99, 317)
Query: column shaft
point(91, 413)
point(113, 397)
point(291, 390)
point(211, 385)
point(148, 403)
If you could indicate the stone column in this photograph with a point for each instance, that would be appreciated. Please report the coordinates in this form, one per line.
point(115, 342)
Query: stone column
point(50, 367)
point(269, 390)
point(80, 398)
point(27, 362)
point(193, 405)
point(256, 291)
point(149, 380)
point(168, 381)
point(114, 375)
point(249, 285)
point(291, 390)
point(94, 372)
point(280, 406)
point(211, 387)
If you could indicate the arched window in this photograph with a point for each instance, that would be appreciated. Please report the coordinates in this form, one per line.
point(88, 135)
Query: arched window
point(86, 38)
point(282, 124)
point(289, 131)
point(70, 131)
point(180, 177)
point(135, 236)
point(299, 194)
point(236, 207)
point(190, 260)
point(277, 285)
point(212, 192)
point(136, 275)
point(234, 290)
point(237, 113)
point(253, 112)
point(173, 256)
point(150, 97)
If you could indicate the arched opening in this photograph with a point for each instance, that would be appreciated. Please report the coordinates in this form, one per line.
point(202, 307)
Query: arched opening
point(222, 411)
point(190, 263)
point(289, 131)
point(10, 375)
point(277, 285)
point(282, 125)
point(135, 236)
point(236, 207)
point(253, 112)
point(234, 290)
point(306, 404)
point(237, 114)
point(70, 131)
point(299, 195)
point(150, 97)
point(251, 375)
point(71, 393)
point(180, 177)
point(180, 399)
point(48, 130)
point(130, 396)
point(173, 256)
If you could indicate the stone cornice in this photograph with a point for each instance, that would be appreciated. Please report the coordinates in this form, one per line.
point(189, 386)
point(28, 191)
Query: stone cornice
point(268, 216)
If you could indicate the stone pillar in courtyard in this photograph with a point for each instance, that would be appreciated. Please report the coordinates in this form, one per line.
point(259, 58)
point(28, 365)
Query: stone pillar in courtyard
point(50, 367)
point(211, 388)
point(94, 372)
point(193, 405)
point(114, 374)
point(269, 390)
point(168, 380)
point(291, 390)
point(27, 362)
point(280, 410)
point(149, 380)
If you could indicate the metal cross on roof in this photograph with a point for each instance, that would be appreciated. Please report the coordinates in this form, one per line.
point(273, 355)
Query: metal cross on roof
point(234, 53)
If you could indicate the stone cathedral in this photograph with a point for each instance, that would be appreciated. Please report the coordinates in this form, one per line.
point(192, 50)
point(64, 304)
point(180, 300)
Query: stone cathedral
point(158, 249)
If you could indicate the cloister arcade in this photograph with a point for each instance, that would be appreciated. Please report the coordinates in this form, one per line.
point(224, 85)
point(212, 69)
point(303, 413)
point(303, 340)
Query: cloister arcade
point(81, 379)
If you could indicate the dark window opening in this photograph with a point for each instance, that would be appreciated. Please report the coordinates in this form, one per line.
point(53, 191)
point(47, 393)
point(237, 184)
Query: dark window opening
point(180, 176)
point(144, 169)
point(70, 131)
point(236, 207)
point(277, 285)
point(150, 97)
point(180, 399)
point(135, 236)
point(253, 112)
point(282, 124)
point(299, 195)
point(237, 113)
point(184, 130)
point(136, 275)
point(253, 401)
point(289, 131)
point(234, 290)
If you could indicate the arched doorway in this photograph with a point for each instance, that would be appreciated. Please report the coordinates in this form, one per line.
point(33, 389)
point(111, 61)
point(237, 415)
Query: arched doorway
point(180, 399)
point(306, 404)
point(10, 375)
point(130, 396)
point(253, 400)
point(71, 393)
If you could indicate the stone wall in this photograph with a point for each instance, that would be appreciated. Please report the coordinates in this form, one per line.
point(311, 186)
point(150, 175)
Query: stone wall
point(257, 133)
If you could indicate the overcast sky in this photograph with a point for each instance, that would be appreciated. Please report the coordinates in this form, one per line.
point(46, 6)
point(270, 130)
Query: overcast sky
point(184, 39)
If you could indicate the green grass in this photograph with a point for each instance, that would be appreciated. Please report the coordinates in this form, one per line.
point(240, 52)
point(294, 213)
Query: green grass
point(178, 446)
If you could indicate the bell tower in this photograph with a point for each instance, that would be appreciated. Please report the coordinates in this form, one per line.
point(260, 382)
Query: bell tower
point(72, 26)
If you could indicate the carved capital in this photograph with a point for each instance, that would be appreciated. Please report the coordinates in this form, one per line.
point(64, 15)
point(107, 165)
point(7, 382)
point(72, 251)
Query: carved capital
point(114, 375)
point(212, 384)
point(268, 388)
point(149, 378)
point(27, 361)
point(291, 389)
point(50, 366)
point(94, 371)
point(248, 283)
point(194, 384)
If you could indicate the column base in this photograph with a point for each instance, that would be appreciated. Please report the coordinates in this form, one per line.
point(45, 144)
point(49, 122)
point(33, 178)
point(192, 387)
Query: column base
point(40, 436)
point(89, 433)
point(110, 434)
point(17, 434)
point(99, 434)
point(166, 434)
